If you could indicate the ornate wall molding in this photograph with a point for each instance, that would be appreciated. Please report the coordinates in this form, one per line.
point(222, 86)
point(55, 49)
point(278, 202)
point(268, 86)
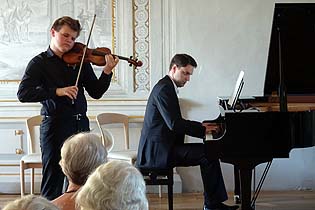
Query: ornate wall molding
point(141, 44)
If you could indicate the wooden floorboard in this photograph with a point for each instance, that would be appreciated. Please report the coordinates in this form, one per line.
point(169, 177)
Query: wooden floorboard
point(284, 200)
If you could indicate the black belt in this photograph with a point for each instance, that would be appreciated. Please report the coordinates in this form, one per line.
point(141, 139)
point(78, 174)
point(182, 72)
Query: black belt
point(78, 116)
point(75, 116)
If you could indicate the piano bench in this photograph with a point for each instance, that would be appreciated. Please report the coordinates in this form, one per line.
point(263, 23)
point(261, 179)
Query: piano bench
point(160, 177)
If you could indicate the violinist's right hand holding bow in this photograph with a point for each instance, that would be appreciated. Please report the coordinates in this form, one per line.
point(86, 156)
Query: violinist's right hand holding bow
point(70, 91)
point(111, 62)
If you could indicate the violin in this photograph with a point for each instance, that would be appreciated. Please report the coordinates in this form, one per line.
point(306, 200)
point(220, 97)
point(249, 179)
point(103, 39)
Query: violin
point(95, 56)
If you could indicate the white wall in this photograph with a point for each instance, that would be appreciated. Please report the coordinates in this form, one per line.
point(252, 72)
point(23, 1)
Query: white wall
point(226, 36)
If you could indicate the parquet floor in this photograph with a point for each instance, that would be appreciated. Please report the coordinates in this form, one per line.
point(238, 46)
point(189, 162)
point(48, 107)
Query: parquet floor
point(284, 200)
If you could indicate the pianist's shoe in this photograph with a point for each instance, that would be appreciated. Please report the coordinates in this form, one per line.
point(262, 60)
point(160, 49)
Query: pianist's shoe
point(222, 206)
point(237, 199)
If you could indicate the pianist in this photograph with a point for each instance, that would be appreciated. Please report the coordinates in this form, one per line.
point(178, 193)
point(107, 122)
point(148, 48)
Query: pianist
point(162, 138)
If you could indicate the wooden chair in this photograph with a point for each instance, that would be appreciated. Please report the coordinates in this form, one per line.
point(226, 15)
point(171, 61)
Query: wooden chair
point(33, 159)
point(104, 120)
point(160, 177)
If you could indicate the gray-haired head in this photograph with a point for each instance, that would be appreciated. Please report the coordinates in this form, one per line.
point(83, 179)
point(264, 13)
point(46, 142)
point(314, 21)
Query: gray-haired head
point(81, 154)
point(30, 202)
point(114, 185)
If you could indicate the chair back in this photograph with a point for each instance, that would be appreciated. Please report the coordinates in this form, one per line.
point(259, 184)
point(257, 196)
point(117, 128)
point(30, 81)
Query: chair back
point(32, 125)
point(104, 119)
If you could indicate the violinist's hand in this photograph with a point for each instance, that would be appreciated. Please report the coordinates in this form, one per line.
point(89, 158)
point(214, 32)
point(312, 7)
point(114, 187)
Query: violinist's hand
point(111, 62)
point(211, 128)
point(70, 92)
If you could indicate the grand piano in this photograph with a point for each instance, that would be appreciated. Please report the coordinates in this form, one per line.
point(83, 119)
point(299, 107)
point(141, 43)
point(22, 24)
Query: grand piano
point(284, 118)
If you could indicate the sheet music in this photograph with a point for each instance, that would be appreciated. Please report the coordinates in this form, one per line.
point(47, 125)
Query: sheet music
point(231, 103)
point(237, 90)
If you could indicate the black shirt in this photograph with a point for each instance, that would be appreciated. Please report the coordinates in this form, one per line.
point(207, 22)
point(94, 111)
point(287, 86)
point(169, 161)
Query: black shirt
point(46, 72)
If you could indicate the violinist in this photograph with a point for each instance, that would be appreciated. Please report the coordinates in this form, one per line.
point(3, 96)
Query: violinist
point(48, 79)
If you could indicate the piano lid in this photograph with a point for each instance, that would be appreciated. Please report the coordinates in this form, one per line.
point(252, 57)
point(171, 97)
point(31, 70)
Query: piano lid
point(296, 24)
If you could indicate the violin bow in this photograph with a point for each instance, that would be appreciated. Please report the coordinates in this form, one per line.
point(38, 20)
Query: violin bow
point(84, 51)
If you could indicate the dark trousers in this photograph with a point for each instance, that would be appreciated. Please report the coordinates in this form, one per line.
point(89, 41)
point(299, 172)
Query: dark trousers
point(53, 132)
point(193, 155)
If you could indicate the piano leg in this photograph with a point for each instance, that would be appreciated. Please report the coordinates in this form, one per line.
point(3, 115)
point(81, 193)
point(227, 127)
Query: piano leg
point(237, 190)
point(246, 178)
point(245, 168)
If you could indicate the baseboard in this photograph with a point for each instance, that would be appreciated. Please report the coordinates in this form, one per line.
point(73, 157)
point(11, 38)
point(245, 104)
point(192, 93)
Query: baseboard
point(12, 186)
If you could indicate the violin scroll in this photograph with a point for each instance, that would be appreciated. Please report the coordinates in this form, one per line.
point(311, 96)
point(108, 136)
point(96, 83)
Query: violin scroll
point(134, 62)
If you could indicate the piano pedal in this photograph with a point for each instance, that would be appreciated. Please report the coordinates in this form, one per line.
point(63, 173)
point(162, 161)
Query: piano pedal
point(237, 199)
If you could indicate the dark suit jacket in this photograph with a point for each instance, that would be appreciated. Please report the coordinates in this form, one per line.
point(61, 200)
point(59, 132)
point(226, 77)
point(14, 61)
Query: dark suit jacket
point(164, 127)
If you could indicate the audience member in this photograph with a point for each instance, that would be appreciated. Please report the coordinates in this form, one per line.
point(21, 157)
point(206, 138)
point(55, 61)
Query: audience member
point(30, 202)
point(81, 154)
point(116, 185)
